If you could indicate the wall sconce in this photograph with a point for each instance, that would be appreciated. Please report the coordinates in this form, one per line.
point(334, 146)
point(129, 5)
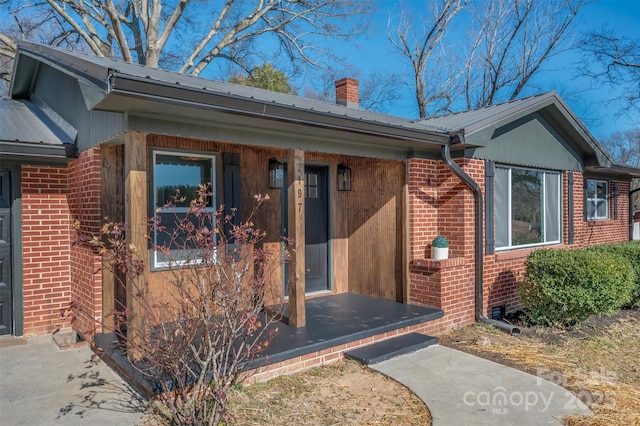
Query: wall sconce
point(344, 178)
point(276, 174)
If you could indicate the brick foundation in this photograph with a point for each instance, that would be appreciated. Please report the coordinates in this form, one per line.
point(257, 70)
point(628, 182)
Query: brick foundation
point(331, 355)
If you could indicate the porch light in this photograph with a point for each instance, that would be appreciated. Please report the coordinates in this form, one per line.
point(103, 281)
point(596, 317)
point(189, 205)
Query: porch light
point(276, 174)
point(344, 178)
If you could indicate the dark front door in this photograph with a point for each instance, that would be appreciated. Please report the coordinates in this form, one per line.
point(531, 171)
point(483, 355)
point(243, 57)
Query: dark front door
point(316, 219)
point(6, 301)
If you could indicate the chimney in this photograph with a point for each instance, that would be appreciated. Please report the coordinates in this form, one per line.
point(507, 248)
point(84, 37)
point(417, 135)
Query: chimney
point(347, 93)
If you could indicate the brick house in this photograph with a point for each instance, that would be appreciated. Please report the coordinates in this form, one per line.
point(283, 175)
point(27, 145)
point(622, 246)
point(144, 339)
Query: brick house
point(498, 182)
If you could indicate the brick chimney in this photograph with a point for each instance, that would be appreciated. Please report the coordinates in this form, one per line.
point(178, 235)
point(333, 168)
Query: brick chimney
point(347, 93)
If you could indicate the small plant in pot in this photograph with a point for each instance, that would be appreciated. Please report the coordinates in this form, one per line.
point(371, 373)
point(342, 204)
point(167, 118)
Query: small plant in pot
point(440, 248)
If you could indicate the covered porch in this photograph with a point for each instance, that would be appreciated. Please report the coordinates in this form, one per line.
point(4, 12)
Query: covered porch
point(336, 324)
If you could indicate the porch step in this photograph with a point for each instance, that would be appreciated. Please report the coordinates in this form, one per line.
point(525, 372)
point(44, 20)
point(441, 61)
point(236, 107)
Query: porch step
point(387, 349)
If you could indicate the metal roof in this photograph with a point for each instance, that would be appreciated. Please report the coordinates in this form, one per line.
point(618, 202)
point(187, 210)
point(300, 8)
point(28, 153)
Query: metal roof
point(112, 77)
point(24, 132)
point(18, 123)
point(117, 86)
point(472, 120)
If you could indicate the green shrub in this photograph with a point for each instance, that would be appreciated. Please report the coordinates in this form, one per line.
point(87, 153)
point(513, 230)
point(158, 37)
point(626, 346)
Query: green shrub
point(629, 250)
point(565, 287)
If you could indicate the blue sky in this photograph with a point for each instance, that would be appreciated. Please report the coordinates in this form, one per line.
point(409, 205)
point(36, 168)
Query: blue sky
point(374, 53)
point(588, 103)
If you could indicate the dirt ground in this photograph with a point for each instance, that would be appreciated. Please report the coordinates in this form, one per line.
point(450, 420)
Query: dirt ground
point(598, 361)
point(343, 393)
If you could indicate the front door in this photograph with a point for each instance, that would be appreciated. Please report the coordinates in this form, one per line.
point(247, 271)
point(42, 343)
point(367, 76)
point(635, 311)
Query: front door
point(316, 219)
point(6, 302)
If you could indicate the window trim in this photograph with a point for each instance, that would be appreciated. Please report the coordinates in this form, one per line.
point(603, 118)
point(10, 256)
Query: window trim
point(213, 157)
point(559, 203)
point(595, 199)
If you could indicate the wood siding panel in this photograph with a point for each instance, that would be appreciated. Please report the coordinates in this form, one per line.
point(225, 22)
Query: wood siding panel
point(114, 295)
point(254, 180)
point(367, 228)
point(375, 228)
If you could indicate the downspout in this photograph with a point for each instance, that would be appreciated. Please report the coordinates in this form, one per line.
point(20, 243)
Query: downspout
point(631, 212)
point(479, 275)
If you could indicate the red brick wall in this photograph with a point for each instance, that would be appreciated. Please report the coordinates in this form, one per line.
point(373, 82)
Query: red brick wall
point(439, 203)
point(46, 248)
point(55, 270)
point(592, 232)
point(502, 270)
point(85, 202)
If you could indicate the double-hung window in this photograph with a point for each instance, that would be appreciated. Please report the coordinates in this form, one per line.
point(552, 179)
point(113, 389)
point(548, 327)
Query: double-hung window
point(182, 173)
point(527, 207)
point(597, 199)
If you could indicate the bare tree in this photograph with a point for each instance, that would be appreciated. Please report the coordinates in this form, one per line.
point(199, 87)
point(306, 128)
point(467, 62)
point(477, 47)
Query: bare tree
point(8, 47)
point(514, 39)
point(417, 38)
point(187, 35)
point(379, 90)
point(615, 61)
point(505, 47)
point(624, 147)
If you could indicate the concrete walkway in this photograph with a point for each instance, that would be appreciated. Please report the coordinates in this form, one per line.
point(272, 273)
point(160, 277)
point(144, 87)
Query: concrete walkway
point(462, 389)
point(42, 385)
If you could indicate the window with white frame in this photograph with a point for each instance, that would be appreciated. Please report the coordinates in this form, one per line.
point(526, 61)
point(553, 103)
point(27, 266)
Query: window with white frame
point(597, 199)
point(177, 173)
point(527, 207)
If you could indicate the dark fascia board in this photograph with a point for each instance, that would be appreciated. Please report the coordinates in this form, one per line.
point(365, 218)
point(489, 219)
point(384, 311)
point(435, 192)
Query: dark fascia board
point(615, 171)
point(123, 85)
point(38, 152)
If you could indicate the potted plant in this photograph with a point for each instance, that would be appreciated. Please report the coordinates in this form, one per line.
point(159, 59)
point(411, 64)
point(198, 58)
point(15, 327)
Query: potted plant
point(440, 248)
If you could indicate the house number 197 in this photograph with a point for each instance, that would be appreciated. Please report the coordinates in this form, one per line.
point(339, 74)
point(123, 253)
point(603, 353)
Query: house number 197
point(299, 178)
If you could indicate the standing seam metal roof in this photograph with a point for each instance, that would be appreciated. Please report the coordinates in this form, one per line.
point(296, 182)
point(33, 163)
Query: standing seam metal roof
point(99, 68)
point(18, 123)
point(470, 120)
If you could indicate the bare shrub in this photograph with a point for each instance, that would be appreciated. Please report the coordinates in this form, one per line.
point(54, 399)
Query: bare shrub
point(208, 332)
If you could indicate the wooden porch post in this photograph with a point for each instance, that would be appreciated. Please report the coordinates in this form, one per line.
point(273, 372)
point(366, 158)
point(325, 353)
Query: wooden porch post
point(136, 214)
point(297, 272)
point(111, 191)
